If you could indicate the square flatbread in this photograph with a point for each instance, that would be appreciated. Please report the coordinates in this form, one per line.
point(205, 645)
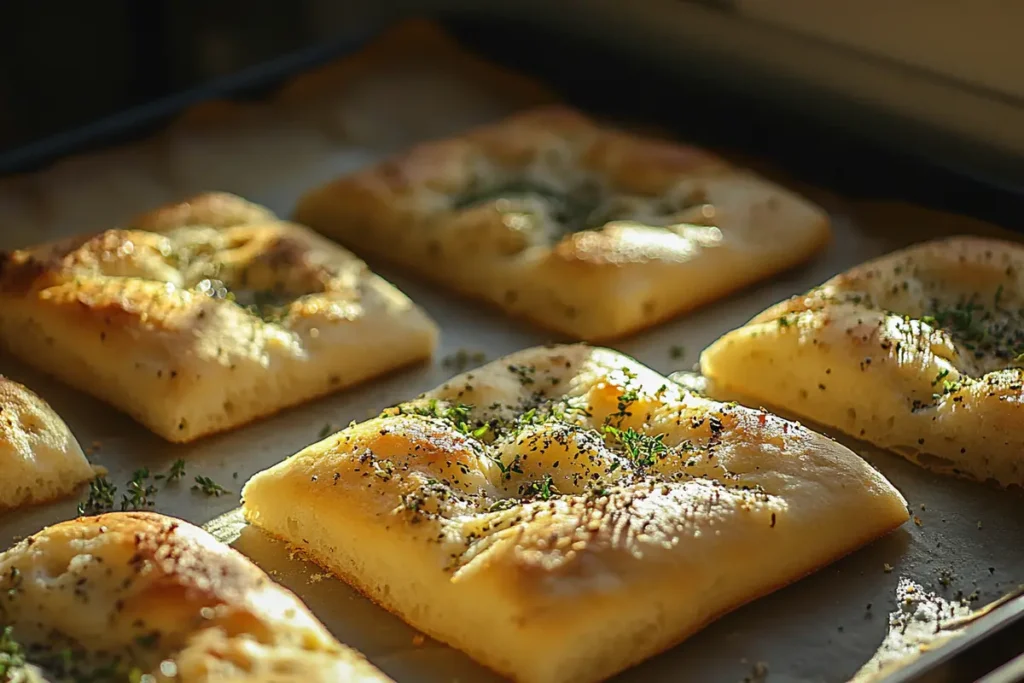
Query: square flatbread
point(565, 512)
point(585, 230)
point(919, 351)
point(40, 458)
point(205, 315)
point(137, 596)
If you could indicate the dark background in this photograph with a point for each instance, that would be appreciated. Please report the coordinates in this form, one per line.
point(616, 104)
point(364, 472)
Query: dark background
point(75, 76)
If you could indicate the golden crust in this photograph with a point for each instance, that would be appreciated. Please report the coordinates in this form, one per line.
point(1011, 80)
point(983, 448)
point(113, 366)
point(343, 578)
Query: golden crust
point(205, 315)
point(563, 513)
point(585, 230)
point(919, 351)
point(141, 591)
point(40, 458)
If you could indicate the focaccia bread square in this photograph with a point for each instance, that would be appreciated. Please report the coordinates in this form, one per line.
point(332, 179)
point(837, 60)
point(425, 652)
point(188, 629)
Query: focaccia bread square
point(564, 512)
point(137, 596)
point(588, 231)
point(40, 458)
point(920, 351)
point(204, 315)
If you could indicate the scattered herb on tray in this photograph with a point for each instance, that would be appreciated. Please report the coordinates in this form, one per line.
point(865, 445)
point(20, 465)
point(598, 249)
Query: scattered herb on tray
point(176, 472)
point(140, 492)
point(101, 496)
point(208, 486)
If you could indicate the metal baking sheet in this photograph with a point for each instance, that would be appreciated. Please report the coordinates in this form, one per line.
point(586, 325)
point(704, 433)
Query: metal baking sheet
point(965, 540)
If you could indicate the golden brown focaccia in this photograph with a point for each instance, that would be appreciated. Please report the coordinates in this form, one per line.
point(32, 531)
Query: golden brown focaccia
point(39, 456)
point(132, 594)
point(919, 351)
point(204, 315)
point(588, 231)
point(564, 512)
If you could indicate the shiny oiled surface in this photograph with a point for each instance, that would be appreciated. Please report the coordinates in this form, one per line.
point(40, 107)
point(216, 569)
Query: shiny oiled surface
point(822, 628)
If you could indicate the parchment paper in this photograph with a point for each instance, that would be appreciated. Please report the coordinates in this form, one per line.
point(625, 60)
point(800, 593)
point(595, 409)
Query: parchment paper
point(410, 86)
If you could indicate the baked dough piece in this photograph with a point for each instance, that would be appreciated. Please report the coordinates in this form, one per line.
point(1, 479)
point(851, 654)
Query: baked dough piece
point(587, 231)
point(136, 593)
point(205, 315)
point(39, 456)
point(564, 512)
point(918, 351)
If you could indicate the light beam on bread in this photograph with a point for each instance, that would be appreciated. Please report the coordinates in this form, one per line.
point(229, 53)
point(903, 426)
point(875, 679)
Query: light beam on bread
point(204, 315)
point(583, 229)
point(570, 490)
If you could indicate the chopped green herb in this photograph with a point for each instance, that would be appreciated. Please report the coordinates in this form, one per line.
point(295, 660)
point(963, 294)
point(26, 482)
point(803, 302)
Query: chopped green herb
point(507, 470)
point(542, 489)
point(12, 655)
point(140, 492)
point(950, 387)
point(529, 417)
point(677, 352)
point(640, 448)
point(524, 373)
point(625, 400)
point(176, 472)
point(462, 359)
point(208, 486)
point(101, 497)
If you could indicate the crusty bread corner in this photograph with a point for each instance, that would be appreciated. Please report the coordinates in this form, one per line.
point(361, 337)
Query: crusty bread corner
point(41, 459)
point(919, 351)
point(204, 315)
point(142, 592)
point(504, 513)
point(585, 230)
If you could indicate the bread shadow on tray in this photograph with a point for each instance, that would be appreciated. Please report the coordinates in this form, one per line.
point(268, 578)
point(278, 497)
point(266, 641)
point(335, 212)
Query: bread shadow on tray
point(388, 642)
point(853, 595)
point(402, 652)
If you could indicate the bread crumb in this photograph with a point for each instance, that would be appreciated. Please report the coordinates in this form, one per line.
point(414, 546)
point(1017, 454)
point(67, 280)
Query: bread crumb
point(419, 639)
point(317, 578)
point(887, 568)
point(917, 521)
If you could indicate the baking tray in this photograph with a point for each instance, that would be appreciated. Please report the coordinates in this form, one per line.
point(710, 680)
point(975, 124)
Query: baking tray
point(966, 542)
point(966, 130)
